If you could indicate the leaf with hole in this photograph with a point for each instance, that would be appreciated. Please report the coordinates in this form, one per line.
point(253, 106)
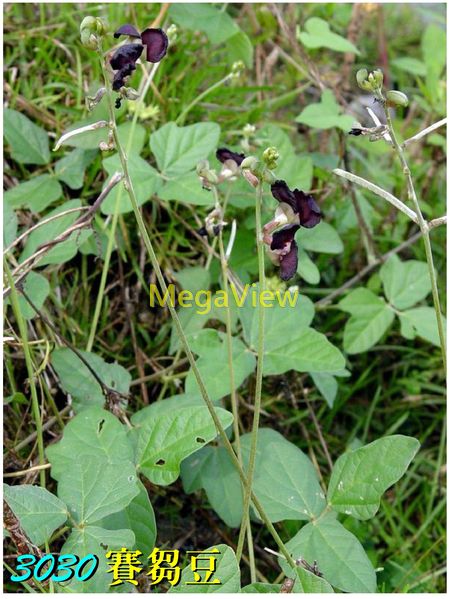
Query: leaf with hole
point(163, 442)
point(93, 433)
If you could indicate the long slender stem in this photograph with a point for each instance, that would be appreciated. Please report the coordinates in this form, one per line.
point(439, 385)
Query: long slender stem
point(112, 233)
point(159, 275)
point(425, 233)
point(259, 371)
point(199, 98)
point(29, 364)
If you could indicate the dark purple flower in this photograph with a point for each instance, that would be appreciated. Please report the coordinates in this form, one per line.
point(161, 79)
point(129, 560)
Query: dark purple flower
point(284, 251)
point(129, 30)
point(355, 131)
point(156, 42)
point(124, 59)
point(303, 204)
point(126, 55)
point(223, 154)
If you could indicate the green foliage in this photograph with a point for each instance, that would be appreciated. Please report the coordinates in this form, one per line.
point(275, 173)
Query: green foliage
point(29, 143)
point(227, 571)
point(361, 476)
point(216, 23)
point(40, 513)
point(317, 34)
point(325, 114)
point(35, 194)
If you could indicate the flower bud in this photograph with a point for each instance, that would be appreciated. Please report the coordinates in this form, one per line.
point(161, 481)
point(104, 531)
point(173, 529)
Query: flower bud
point(270, 157)
point(237, 68)
point(91, 30)
point(172, 33)
point(396, 98)
point(130, 93)
point(250, 163)
point(361, 77)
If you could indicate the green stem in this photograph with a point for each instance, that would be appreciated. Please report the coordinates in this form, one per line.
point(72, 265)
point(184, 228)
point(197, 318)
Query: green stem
point(259, 372)
point(112, 232)
point(180, 119)
point(29, 364)
point(425, 233)
point(159, 275)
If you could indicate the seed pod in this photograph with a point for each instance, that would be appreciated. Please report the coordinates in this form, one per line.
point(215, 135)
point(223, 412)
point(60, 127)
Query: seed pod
point(397, 98)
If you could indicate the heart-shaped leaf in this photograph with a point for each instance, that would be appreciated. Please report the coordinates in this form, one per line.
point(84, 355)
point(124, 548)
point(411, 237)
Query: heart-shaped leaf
point(405, 283)
point(319, 35)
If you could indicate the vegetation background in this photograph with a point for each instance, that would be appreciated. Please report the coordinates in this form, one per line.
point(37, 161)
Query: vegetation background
point(397, 386)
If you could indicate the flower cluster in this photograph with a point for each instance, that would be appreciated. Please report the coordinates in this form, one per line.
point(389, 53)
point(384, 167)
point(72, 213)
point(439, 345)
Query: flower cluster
point(124, 58)
point(296, 209)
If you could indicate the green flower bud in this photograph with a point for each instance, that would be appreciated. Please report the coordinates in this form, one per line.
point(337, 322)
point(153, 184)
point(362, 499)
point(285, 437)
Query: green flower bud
point(91, 30)
point(172, 33)
point(250, 163)
point(237, 68)
point(378, 77)
point(361, 77)
point(397, 98)
point(270, 157)
point(269, 177)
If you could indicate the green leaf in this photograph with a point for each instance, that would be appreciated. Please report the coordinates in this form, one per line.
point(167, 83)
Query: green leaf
point(163, 442)
point(72, 167)
point(212, 470)
point(327, 385)
point(323, 238)
point(226, 571)
point(405, 283)
point(410, 65)
point(318, 35)
point(261, 587)
point(93, 433)
point(340, 556)
point(434, 49)
point(307, 582)
point(92, 489)
point(325, 115)
point(95, 540)
point(288, 342)
point(29, 143)
point(371, 318)
point(187, 189)
point(35, 194)
point(179, 149)
point(37, 289)
point(214, 369)
point(39, 512)
point(145, 181)
point(239, 47)
point(296, 170)
point(138, 517)
point(193, 278)
point(78, 380)
point(306, 268)
point(63, 251)
point(285, 481)
point(9, 224)
point(360, 477)
point(215, 22)
point(165, 406)
point(424, 323)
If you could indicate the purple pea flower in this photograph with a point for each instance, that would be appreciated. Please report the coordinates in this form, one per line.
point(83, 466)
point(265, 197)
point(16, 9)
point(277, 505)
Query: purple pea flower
point(124, 58)
point(284, 251)
point(303, 205)
point(223, 154)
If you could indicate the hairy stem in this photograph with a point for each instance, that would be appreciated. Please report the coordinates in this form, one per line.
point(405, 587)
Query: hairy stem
point(159, 275)
point(259, 372)
point(29, 364)
point(425, 233)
